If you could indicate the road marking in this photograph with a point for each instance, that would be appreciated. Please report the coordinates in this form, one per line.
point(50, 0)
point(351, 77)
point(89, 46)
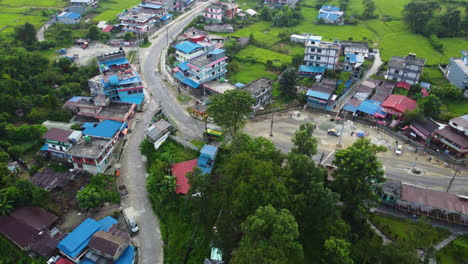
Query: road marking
point(328, 156)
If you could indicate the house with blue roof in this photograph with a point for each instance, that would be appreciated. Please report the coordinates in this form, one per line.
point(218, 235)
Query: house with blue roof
point(118, 80)
point(68, 18)
point(188, 50)
point(207, 158)
point(331, 15)
point(353, 63)
point(99, 241)
point(81, 6)
point(321, 95)
point(105, 129)
point(371, 108)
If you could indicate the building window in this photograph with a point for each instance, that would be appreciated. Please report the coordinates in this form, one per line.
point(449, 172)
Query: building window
point(311, 57)
point(397, 71)
point(318, 58)
point(319, 50)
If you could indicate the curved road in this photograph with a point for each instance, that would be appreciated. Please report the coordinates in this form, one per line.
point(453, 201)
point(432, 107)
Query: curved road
point(133, 164)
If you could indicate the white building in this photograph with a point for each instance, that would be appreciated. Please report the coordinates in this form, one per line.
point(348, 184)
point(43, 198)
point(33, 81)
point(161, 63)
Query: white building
point(321, 53)
point(407, 69)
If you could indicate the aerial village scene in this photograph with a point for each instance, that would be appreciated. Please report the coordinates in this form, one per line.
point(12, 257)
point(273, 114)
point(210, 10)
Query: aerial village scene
point(234, 131)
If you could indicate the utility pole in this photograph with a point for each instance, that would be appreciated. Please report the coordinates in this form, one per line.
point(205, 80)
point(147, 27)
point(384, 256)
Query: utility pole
point(167, 35)
point(271, 126)
point(453, 178)
point(342, 129)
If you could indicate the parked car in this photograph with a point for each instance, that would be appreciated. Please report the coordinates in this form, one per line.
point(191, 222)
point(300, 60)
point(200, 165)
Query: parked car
point(399, 149)
point(130, 219)
point(333, 132)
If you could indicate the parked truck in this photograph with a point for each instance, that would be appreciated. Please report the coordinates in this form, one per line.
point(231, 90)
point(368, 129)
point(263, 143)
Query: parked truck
point(129, 217)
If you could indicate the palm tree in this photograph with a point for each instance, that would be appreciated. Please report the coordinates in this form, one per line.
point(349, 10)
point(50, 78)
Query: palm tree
point(5, 206)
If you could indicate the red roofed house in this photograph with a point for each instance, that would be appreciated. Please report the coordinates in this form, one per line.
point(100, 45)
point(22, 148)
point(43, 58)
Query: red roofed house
point(398, 104)
point(179, 171)
point(58, 141)
point(26, 226)
point(403, 85)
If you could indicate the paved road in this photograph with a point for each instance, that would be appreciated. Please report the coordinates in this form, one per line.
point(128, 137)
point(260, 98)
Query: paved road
point(40, 32)
point(133, 164)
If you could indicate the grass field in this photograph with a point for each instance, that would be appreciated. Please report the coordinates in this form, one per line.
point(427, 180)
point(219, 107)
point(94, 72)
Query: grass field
point(448, 256)
point(250, 72)
point(263, 55)
point(111, 8)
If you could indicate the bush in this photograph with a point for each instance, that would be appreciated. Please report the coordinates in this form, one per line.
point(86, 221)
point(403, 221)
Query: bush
point(436, 43)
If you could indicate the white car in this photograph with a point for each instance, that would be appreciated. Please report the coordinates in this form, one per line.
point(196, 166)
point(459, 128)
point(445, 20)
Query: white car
point(399, 149)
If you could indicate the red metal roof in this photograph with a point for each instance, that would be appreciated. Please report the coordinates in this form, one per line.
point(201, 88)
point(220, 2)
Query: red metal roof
point(63, 261)
point(180, 170)
point(435, 199)
point(403, 85)
point(56, 134)
point(399, 103)
point(108, 28)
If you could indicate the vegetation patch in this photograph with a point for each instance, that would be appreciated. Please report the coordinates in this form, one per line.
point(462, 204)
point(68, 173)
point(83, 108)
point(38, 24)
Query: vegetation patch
point(456, 252)
point(11, 254)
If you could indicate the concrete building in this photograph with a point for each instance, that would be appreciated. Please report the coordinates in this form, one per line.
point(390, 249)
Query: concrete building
point(353, 63)
point(58, 141)
point(280, 3)
point(217, 87)
point(321, 53)
point(261, 91)
point(457, 71)
point(68, 18)
point(321, 95)
point(407, 69)
point(357, 48)
point(454, 137)
point(331, 15)
point(137, 21)
point(81, 6)
point(92, 154)
point(214, 13)
point(169, 5)
point(118, 80)
point(188, 50)
point(208, 67)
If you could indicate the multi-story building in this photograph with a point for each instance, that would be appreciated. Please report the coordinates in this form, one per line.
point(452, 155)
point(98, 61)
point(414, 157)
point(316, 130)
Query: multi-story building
point(58, 141)
point(92, 154)
point(188, 50)
point(457, 71)
point(280, 3)
point(118, 80)
point(170, 5)
point(230, 10)
point(208, 67)
point(454, 137)
point(137, 21)
point(214, 13)
point(321, 53)
point(81, 6)
point(260, 90)
point(407, 69)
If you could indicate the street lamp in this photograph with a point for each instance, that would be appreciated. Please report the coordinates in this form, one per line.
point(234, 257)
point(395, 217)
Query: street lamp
point(271, 126)
point(453, 178)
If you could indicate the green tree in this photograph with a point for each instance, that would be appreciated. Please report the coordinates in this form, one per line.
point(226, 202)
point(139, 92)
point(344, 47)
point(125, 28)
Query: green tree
point(431, 106)
point(369, 9)
point(399, 252)
point(265, 13)
point(26, 33)
point(129, 36)
point(6, 205)
point(416, 114)
point(89, 198)
point(358, 176)
point(270, 237)
point(4, 157)
point(417, 14)
point(337, 251)
point(94, 33)
point(304, 142)
point(231, 109)
point(287, 83)
point(231, 47)
point(297, 60)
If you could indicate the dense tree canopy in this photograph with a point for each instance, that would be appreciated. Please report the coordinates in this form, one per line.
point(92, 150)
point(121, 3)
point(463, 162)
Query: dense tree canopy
point(287, 83)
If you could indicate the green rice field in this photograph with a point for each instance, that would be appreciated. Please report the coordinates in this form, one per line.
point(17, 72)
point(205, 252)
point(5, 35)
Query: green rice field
point(111, 8)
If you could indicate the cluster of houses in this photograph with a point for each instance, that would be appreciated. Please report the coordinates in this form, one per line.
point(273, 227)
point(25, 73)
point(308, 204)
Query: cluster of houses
point(104, 118)
point(33, 229)
point(76, 9)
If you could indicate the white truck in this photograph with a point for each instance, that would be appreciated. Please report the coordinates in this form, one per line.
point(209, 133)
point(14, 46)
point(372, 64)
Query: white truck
point(129, 217)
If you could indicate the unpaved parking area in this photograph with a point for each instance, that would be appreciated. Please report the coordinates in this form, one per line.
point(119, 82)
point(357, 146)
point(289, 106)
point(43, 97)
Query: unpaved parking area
point(95, 49)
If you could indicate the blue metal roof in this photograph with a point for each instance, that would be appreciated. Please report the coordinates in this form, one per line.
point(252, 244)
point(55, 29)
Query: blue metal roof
point(78, 239)
point(88, 124)
point(127, 256)
point(131, 80)
point(107, 222)
point(180, 76)
point(45, 147)
point(69, 15)
point(166, 17)
point(330, 8)
point(320, 95)
point(350, 108)
point(119, 61)
point(134, 98)
point(239, 85)
point(425, 85)
point(329, 16)
point(188, 2)
point(105, 129)
point(87, 261)
point(153, 6)
point(188, 47)
point(183, 66)
point(370, 107)
point(314, 69)
point(209, 150)
point(216, 51)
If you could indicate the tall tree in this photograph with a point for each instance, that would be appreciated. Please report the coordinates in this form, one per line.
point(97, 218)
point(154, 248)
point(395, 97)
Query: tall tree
point(269, 237)
point(26, 33)
point(417, 13)
point(431, 106)
point(94, 33)
point(287, 83)
point(6, 205)
point(304, 142)
point(358, 176)
point(338, 251)
point(231, 109)
point(369, 9)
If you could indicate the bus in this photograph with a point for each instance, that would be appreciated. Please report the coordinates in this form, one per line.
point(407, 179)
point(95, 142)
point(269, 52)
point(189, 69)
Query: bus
point(212, 134)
